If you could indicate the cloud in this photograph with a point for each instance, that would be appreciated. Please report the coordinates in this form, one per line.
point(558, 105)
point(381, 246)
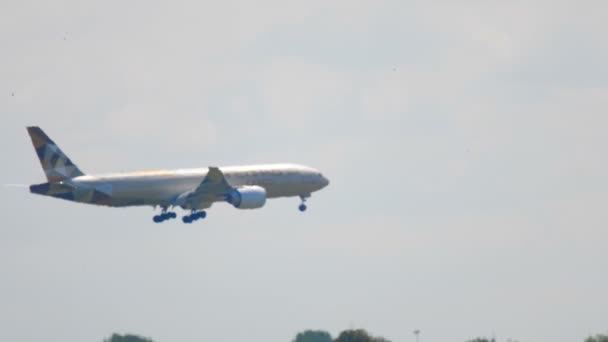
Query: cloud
point(464, 142)
point(299, 94)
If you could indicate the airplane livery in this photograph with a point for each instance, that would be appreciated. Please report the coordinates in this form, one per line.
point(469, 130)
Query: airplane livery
point(195, 190)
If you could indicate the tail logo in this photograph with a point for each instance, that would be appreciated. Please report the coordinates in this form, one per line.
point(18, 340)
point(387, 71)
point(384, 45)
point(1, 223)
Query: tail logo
point(56, 165)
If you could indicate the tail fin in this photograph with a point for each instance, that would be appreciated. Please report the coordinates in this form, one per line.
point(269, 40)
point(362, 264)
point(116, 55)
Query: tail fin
point(56, 165)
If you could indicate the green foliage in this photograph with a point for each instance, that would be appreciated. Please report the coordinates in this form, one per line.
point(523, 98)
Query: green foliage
point(358, 336)
point(127, 338)
point(597, 338)
point(313, 336)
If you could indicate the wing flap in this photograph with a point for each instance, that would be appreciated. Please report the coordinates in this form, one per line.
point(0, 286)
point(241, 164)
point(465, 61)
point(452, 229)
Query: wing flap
point(213, 188)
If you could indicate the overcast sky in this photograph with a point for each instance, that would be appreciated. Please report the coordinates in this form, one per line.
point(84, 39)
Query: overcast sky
point(465, 142)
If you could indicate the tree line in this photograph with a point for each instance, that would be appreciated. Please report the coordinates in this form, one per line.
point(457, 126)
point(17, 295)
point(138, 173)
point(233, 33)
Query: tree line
point(351, 335)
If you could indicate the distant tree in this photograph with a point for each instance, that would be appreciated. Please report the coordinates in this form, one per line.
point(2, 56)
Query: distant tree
point(127, 338)
point(313, 336)
point(597, 338)
point(358, 335)
point(482, 339)
point(380, 339)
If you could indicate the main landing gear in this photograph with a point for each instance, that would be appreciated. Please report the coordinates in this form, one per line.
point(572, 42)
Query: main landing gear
point(164, 216)
point(195, 215)
point(168, 215)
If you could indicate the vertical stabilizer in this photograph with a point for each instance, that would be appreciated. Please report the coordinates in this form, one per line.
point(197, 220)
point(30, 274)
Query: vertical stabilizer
point(56, 165)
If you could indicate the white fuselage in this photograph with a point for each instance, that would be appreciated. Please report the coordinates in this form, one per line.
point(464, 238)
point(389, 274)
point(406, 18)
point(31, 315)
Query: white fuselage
point(163, 187)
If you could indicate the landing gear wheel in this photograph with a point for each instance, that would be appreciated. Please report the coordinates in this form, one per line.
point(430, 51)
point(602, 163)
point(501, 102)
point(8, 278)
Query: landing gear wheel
point(302, 206)
point(187, 219)
point(157, 219)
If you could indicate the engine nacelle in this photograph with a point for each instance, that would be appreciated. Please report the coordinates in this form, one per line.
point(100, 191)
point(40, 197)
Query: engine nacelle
point(247, 197)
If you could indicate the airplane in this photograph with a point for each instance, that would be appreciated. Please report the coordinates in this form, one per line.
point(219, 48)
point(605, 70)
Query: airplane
point(194, 190)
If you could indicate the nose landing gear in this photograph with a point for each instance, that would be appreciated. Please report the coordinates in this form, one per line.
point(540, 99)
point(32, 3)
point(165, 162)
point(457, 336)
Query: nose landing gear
point(302, 207)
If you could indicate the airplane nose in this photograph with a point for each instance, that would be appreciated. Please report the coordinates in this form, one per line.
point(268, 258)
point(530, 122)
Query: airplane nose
point(324, 181)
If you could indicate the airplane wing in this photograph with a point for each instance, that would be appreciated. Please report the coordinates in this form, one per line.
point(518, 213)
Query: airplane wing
point(213, 188)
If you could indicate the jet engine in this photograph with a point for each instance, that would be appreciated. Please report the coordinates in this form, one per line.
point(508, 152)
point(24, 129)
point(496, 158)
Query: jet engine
point(247, 197)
